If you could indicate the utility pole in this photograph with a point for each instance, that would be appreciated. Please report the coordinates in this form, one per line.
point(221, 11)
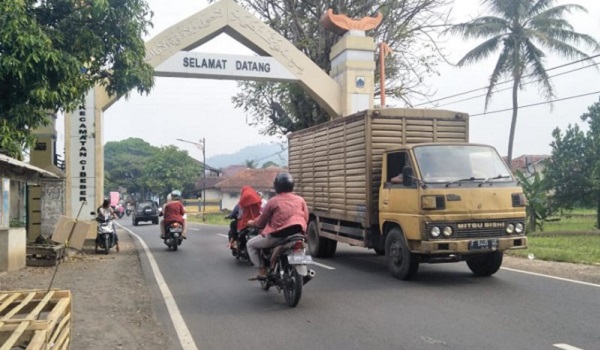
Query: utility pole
point(201, 145)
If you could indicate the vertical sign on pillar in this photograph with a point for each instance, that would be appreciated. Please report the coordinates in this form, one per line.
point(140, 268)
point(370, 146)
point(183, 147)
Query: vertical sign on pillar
point(82, 160)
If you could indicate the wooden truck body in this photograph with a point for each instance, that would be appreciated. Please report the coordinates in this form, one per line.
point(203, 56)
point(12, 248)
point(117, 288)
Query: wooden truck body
point(343, 169)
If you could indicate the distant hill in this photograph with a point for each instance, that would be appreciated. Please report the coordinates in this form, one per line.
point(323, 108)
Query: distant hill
point(261, 153)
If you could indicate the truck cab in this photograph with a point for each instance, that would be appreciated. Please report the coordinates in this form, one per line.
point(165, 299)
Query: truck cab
point(445, 202)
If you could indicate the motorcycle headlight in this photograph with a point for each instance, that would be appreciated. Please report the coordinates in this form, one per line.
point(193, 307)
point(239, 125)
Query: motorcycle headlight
point(510, 228)
point(435, 231)
point(519, 228)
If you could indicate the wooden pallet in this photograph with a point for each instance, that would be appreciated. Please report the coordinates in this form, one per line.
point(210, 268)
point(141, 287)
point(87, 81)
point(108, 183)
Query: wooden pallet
point(44, 254)
point(35, 320)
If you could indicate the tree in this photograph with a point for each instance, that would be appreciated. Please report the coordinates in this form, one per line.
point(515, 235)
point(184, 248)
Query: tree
point(269, 164)
point(53, 51)
point(250, 163)
point(171, 169)
point(574, 169)
point(407, 27)
point(538, 206)
point(520, 30)
point(124, 163)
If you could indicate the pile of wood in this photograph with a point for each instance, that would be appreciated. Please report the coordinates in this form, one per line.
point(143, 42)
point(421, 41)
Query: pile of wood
point(35, 320)
point(44, 254)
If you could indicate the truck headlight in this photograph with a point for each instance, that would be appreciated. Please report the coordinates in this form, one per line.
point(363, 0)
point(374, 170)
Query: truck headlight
point(448, 231)
point(510, 228)
point(435, 231)
point(519, 227)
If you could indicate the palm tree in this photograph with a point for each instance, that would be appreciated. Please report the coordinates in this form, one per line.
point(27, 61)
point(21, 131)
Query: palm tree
point(520, 28)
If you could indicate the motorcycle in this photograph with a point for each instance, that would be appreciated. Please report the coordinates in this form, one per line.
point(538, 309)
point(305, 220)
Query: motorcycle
point(287, 268)
point(105, 234)
point(238, 248)
point(173, 237)
point(129, 209)
point(120, 212)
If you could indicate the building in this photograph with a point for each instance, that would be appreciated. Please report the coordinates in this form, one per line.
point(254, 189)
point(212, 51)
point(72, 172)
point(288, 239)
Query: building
point(259, 179)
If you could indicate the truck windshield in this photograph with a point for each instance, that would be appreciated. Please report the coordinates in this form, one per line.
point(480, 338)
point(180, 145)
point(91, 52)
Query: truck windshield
point(458, 163)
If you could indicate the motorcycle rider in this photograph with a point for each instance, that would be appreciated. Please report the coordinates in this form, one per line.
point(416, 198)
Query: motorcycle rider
point(174, 211)
point(284, 211)
point(105, 210)
point(233, 233)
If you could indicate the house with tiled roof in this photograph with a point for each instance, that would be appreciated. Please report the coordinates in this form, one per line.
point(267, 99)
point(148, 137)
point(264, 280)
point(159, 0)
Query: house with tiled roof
point(529, 164)
point(259, 179)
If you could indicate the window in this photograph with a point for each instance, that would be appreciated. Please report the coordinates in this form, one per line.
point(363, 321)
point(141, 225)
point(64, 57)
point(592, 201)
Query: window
point(395, 163)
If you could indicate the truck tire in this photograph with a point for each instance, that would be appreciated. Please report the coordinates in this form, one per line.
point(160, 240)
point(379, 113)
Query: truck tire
point(318, 246)
point(402, 264)
point(331, 247)
point(485, 265)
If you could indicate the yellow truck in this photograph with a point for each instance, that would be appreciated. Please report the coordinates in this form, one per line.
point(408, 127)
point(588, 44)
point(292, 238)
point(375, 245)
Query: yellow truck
point(408, 184)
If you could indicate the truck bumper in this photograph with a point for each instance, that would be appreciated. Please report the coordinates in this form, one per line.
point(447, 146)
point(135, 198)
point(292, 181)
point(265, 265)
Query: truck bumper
point(463, 246)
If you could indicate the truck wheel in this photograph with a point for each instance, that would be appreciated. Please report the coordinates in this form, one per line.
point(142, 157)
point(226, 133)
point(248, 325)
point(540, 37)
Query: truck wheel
point(401, 262)
point(331, 247)
point(485, 265)
point(317, 245)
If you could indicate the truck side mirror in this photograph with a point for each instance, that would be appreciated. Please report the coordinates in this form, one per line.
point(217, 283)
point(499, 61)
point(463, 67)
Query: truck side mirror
point(407, 176)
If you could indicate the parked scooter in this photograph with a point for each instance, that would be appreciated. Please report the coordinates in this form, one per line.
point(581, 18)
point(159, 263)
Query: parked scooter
point(287, 268)
point(105, 236)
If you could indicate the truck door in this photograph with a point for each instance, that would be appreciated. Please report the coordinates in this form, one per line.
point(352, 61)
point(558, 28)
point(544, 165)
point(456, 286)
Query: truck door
point(392, 185)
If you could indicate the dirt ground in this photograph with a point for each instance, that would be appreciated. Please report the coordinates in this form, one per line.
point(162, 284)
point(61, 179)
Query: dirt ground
point(112, 303)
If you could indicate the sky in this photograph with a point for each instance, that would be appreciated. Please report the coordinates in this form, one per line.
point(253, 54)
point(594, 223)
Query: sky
point(192, 109)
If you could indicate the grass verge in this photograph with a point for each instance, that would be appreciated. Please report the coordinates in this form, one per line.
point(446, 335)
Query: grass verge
point(578, 248)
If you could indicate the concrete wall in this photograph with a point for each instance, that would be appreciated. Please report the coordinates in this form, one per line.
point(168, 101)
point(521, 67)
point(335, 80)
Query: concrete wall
point(53, 205)
point(13, 248)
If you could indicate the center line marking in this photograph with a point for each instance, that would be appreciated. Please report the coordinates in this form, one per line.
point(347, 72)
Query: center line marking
point(222, 235)
point(566, 347)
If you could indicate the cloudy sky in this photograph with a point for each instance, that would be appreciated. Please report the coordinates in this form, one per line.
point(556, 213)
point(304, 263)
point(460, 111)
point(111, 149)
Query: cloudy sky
point(192, 109)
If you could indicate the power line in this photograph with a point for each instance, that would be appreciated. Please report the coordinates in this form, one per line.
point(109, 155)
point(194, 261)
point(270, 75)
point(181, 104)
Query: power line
point(537, 104)
point(504, 82)
point(271, 155)
point(529, 82)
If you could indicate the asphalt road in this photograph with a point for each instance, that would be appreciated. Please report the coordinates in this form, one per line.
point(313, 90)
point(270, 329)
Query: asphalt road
point(353, 303)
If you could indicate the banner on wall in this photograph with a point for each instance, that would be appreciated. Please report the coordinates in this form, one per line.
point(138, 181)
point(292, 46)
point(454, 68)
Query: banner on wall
point(82, 158)
point(5, 204)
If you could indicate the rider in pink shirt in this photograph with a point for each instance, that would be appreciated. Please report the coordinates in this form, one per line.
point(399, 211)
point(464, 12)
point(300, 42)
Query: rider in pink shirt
point(285, 210)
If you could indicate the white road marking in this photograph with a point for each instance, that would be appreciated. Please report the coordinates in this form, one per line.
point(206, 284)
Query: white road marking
point(566, 347)
point(323, 265)
point(222, 235)
point(183, 333)
point(194, 229)
point(553, 277)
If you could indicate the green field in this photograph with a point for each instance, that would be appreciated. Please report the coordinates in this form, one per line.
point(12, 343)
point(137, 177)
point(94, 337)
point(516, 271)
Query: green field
point(573, 238)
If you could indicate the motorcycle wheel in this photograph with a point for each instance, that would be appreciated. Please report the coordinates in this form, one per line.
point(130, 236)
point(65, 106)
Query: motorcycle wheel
point(292, 286)
point(106, 245)
point(174, 245)
point(265, 285)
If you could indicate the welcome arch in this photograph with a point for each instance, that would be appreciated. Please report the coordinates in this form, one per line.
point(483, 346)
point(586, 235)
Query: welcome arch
point(84, 127)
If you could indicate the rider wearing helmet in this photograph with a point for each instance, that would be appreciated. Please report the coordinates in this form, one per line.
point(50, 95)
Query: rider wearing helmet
point(106, 210)
point(173, 212)
point(284, 211)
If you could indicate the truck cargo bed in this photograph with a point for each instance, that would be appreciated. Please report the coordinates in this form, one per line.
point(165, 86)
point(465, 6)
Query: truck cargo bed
point(337, 165)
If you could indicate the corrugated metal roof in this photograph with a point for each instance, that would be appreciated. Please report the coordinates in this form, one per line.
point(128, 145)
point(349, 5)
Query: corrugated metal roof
point(13, 164)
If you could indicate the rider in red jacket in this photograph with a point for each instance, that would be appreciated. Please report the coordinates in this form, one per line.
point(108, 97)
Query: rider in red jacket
point(174, 212)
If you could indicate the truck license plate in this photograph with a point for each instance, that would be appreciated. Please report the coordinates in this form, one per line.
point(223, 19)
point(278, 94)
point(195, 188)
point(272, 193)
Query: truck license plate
point(483, 244)
point(299, 259)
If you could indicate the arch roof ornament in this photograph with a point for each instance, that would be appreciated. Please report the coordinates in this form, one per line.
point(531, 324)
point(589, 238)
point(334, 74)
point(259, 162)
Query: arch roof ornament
point(228, 17)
